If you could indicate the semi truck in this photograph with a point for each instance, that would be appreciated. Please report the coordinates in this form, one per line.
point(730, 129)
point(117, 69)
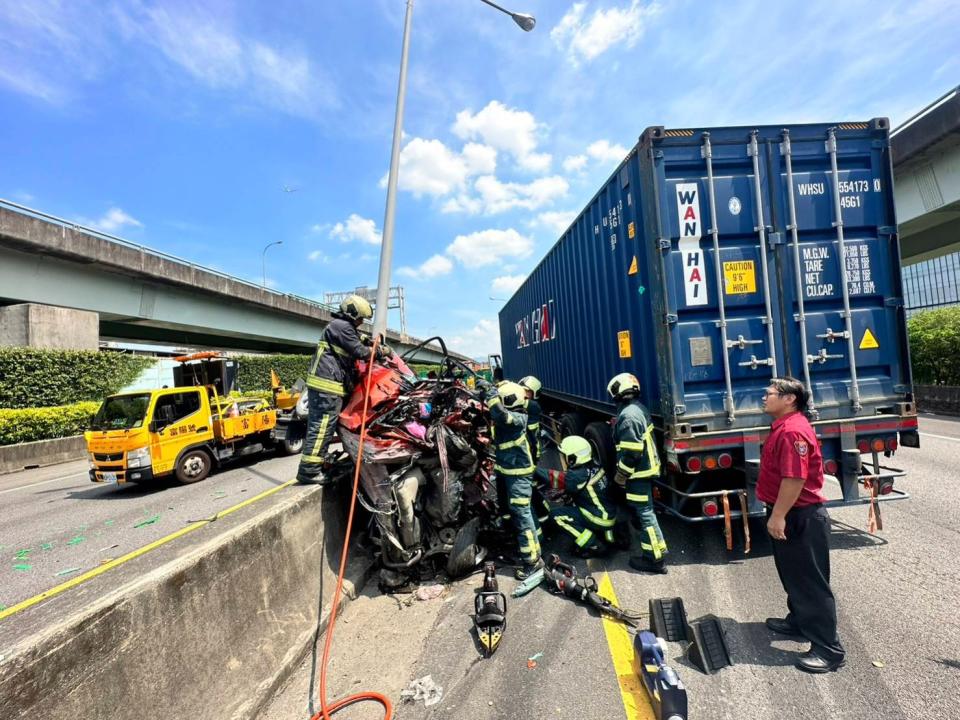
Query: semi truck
point(712, 260)
point(189, 429)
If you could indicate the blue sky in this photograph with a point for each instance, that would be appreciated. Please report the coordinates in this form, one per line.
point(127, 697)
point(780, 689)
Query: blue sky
point(208, 130)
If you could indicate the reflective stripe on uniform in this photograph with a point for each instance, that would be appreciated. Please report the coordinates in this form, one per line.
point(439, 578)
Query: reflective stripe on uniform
point(324, 345)
point(531, 548)
point(533, 426)
point(626, 468)
point(630, 445)
point(522, 440)
point(520, 501)
point(633, 497)
point(493, 401)
point(566, 523)
point(324, 385)
point(600, 522)
point(657, 552)
point(514, 471)
point(584, 537)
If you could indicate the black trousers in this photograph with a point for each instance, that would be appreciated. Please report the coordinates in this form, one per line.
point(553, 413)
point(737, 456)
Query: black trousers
point(803, 563)
point(322, 418)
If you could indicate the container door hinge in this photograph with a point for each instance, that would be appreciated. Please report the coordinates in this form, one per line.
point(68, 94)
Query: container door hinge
point(886, 230)
point(901, 389)
point(776, 238)
point(679, 409)
point(831, 335)
point(893, 302)
point(670, 319)
point(664, 244)
point(754, 362)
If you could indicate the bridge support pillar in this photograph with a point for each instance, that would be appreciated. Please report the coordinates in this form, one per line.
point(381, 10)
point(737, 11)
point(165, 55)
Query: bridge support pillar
point(46, 326)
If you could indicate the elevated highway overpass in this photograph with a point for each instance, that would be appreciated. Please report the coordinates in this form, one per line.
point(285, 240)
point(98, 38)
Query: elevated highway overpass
point(144, 295)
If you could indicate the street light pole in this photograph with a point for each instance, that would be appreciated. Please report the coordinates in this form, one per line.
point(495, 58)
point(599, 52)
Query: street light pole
point(263, 256)
point(527, 22)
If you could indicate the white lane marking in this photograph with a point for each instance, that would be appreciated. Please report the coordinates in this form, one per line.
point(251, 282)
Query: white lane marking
point(43, 482)
point(939, 437)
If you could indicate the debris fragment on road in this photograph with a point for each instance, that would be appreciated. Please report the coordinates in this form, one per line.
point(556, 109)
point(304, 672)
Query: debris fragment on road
point(423, 689)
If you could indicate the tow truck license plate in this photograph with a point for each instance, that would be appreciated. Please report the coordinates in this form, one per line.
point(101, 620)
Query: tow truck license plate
point(110, 478)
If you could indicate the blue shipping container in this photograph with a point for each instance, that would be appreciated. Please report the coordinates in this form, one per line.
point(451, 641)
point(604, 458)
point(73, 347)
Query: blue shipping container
point(713, 260)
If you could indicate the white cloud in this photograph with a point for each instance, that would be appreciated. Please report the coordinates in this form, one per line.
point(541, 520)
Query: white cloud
point(499, 196)
point(319, 256)
point(500, 127)
point(575, 163)
point(603, 151)
point(356, 228)
point(556, 221)
point(587, 40)
point(479, 341)
point(113, 220)
point(428, 167)
point(506, 284)
point(434, 266)
point(488, 247)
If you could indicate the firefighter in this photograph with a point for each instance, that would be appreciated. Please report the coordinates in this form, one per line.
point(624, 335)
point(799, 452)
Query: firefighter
point(514, 468)
point(578, 498)
point(532, 386)
point(637, 466)
point(329, 380)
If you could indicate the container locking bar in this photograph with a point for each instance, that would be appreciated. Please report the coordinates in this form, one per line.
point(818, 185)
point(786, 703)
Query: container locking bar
point(830, 335)
point(762, 232)
point(821, 357)
point(707, 151)
point(754, 362)
point(741, 342)
point(797, 277)
point(842, 252)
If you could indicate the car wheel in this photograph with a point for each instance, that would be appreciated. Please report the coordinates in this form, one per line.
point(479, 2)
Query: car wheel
point(193, 466)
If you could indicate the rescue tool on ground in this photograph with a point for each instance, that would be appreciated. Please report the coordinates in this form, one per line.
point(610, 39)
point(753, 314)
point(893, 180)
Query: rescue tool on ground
point(561, 578)
point(668, 696)
point(490, 618)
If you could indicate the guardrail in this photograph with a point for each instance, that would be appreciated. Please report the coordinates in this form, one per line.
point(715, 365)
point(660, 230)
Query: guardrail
point(32, 212)
point(943, 399)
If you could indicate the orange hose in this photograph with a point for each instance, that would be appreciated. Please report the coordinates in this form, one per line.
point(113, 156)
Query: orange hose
point(327, 711)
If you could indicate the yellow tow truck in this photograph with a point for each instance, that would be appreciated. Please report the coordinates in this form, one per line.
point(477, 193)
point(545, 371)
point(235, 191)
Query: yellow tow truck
point(191, 428)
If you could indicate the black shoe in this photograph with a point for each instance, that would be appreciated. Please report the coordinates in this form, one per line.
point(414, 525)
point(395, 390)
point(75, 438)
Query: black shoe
point(320, 479)
point(782, 626)
point(812, 663)
point(525, 571)
point(645, 565)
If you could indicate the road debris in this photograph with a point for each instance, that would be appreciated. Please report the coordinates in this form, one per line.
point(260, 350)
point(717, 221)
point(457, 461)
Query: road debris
point(109, 547)
point(68, 571)
point(76, 540)
point(22, 567)
point(148, 521)
point(24, 554)
point(532, 660)
point(429, 592)
point(423, 689)
point(877, 664)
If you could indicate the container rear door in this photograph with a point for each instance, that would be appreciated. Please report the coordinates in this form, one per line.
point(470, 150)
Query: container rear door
point(834, 186)
point(723, 317)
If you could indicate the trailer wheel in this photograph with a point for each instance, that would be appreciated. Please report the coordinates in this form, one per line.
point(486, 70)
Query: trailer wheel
point(571, 423)
point(600, 437)
point(193, 466)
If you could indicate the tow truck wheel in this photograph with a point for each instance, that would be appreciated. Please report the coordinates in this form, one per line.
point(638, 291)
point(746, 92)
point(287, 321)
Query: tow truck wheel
point(193, 466)
point(293, 441)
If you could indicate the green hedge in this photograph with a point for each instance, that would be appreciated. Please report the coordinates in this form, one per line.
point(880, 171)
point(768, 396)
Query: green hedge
point(255, 370)
point(27, 425)
point(33, 378)
point(934, 340)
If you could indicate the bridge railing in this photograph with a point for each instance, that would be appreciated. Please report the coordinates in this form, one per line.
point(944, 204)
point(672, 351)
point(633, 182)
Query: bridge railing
point(63, 222)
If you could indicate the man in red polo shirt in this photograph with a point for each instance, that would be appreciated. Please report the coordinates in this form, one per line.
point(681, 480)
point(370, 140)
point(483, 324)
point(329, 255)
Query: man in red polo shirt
point(791, 485)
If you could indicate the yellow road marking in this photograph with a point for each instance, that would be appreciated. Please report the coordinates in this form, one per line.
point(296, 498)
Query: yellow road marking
point(636, 704)
point(89, 575)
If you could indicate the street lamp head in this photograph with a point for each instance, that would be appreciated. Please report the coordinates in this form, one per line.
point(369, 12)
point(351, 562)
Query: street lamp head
point(526, 22)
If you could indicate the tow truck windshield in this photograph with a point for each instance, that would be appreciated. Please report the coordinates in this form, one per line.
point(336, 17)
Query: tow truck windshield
point(121, 412)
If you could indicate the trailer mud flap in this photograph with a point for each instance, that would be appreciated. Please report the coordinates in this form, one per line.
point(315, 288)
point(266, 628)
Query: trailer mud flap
point(708, 647)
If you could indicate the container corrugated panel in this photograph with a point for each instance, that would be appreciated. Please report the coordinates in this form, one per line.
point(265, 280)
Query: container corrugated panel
point(635, 285)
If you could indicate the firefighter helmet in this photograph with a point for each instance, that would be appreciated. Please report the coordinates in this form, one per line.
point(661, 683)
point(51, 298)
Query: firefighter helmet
point(356, 308)
point(512, 395)
point(576, 450)
point(531, 384)
point(622, 384)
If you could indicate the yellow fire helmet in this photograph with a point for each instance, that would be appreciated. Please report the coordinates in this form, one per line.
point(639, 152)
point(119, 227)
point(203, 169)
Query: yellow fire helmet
point(576, 450)
point(355, 307)
point(531, 384)
point(512, 395)
point(623, 383)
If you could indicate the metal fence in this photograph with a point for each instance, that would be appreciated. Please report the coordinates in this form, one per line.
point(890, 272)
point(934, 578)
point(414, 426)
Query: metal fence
point(932, 283)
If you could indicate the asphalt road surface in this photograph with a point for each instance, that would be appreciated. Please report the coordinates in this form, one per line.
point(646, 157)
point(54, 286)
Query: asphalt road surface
point(55, 525)
point(898, 601)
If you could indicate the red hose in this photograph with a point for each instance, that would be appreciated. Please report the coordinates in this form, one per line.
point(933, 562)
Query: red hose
point(327, 711)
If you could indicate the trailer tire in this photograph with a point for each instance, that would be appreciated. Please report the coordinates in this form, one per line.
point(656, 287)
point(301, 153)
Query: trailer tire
point(193, 466)
point(570, 423)
point(600, 437)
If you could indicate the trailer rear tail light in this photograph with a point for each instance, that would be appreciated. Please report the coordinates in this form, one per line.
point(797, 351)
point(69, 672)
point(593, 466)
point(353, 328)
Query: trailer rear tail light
point(863, 446)
point(710, 463)
point(710, 508)
point(725, 460)
point(830, 466)
point(892, 444)
point(885, 487)
point(877, 445)
point(693, 464)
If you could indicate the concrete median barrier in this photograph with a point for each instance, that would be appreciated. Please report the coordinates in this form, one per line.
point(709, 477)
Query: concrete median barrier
point(209, 635)
point(41, 452)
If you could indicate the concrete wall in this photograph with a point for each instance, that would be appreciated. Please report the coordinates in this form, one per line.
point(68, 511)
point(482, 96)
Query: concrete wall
point(42, 452)
point(46, 326)
point(209, 636)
